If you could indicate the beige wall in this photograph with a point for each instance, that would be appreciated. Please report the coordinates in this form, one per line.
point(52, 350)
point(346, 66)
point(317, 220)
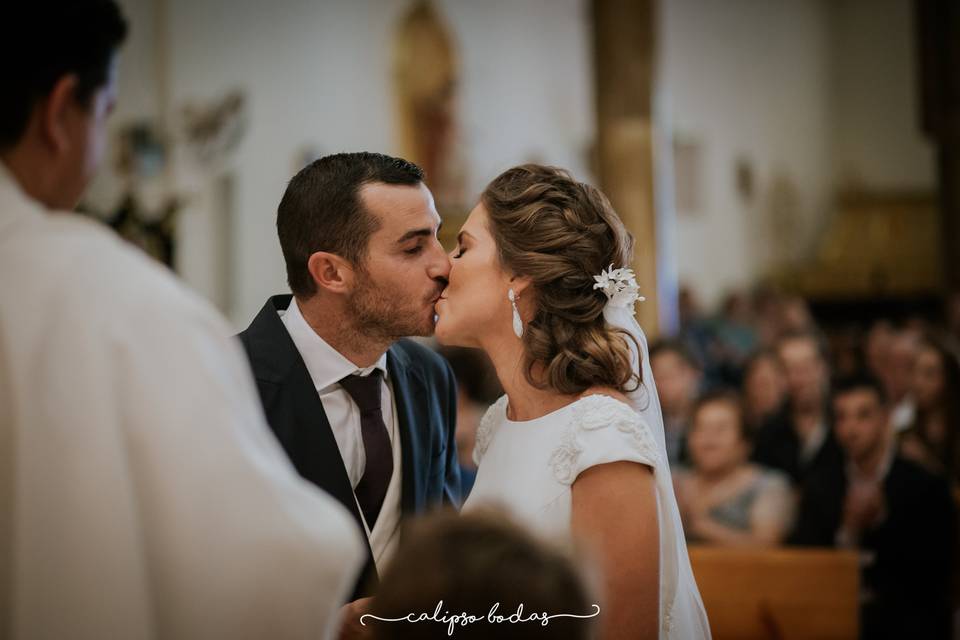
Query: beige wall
point(745, 79)
point(814, 95)
point(876, 139)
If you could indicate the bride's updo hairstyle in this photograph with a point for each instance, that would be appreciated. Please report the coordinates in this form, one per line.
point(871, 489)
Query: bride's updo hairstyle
point(560, 233)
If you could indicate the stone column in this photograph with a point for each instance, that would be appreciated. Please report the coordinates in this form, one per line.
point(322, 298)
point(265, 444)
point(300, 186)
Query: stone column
point(623, 46)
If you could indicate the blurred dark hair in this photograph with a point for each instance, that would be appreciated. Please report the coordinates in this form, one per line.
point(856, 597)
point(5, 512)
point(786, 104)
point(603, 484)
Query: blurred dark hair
point(471, 562)
point(321, 210)
point(861, 381)
point(949, 452)
point(722, 395)
point(46, 40)
point(474, 373)
point(677, 347)
point(758, 357)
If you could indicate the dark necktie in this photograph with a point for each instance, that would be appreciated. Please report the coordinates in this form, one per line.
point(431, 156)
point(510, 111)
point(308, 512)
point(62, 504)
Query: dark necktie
point(372, 488)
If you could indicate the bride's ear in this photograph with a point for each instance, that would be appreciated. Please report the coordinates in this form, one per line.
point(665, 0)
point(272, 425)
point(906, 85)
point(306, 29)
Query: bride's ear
point(520, 284)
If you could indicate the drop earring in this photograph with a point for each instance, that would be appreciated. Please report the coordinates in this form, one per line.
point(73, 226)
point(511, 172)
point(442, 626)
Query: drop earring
point(517, 322)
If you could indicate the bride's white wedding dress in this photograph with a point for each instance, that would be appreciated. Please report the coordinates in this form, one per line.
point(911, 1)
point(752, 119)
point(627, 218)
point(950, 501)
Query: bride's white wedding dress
point(529, 468)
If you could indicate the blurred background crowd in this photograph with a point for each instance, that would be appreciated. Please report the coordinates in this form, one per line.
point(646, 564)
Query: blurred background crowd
point(786, 431)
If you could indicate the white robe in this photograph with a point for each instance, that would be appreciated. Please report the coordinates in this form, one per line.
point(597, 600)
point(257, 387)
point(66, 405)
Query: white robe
point(141, 492)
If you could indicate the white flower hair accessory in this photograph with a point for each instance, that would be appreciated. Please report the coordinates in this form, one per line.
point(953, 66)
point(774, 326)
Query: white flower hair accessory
point(620, 286)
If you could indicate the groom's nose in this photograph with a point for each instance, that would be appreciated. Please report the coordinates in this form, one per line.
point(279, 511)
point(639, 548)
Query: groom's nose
point(439, 267)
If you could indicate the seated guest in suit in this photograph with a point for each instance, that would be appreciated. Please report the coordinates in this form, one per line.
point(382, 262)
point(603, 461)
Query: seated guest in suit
point(470, 563)
point(898, 380)
point(895, 512)
point(876, 347)
point(363, 413)
point(725, 499)
point(798, 440)
point(678, 376)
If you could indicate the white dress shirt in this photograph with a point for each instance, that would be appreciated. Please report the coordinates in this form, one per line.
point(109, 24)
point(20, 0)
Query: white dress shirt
point(142, 494)
point(903, 415)
point(810, 447)
point(327, 367)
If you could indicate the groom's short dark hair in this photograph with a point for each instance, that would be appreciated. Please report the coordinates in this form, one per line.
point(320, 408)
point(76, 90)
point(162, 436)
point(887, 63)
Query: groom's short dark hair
point(321, 210)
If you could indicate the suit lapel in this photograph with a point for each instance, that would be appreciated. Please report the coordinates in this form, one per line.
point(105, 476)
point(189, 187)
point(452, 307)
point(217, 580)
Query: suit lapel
point(318, 455)
point(318, 459)
point(409, 391)
point(293, 406)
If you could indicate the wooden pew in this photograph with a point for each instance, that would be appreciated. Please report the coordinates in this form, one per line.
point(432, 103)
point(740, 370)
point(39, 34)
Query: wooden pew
point(778, 594)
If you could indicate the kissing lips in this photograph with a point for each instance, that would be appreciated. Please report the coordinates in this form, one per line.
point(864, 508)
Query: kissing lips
point(440, 298)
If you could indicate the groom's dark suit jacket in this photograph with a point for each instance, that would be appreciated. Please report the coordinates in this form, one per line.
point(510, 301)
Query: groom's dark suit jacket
point(426, 399)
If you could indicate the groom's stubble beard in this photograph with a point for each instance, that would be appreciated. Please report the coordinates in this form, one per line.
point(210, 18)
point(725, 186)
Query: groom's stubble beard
point(378, 315)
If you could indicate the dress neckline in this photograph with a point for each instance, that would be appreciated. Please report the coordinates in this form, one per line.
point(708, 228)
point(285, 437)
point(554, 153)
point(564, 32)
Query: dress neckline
point(506, 405)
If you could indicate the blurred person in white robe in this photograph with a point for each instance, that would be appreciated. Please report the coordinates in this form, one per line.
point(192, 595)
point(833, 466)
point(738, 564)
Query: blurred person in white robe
point(142, 494)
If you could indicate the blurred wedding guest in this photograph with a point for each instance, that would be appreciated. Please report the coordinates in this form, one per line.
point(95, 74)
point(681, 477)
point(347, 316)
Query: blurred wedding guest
point(898, 378)
point(736, 338)
point(688, 306)
point(895, 512)
point(798, 440)
point(696, 329)
point(677, 375)
point(846, 347)
point(795, 316)
point(726, 500)
point(475, 564)
point(477, 389)
point(934, 439)
point(766, 303)
point(141, 492)
point(876, 347)
point(764, 389)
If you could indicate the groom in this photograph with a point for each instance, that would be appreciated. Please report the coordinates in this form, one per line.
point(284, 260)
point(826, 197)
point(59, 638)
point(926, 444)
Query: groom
point(363, 414)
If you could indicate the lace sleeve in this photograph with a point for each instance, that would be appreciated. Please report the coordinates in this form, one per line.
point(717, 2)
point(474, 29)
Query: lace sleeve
point(602, 430)
point(488, 426)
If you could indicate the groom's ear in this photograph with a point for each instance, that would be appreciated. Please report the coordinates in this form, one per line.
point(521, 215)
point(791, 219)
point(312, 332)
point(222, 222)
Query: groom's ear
point(331, 272)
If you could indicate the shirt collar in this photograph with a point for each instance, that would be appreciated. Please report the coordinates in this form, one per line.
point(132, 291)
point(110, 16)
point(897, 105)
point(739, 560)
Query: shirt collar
point(854, 474)
point(326, 365)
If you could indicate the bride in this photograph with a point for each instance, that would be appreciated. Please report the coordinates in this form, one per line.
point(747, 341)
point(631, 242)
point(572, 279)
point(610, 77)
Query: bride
point(576, 446)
